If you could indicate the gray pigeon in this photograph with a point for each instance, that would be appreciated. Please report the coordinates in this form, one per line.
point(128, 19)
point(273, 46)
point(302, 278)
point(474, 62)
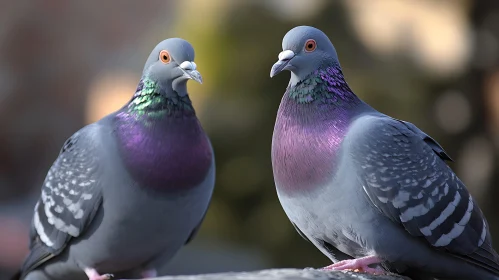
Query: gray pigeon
point(128, 191)
point(367, 189)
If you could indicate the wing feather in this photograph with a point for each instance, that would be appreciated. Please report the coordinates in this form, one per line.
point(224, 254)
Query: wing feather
point(405, 176)
point(70, 198)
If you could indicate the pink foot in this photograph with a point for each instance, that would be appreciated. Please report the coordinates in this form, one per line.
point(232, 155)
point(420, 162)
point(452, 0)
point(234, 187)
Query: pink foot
point(151, 273)
point(360, 264)
point(93, 275)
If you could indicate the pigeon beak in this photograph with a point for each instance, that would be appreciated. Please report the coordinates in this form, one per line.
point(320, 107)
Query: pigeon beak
point(284, 58)
point(190, 72)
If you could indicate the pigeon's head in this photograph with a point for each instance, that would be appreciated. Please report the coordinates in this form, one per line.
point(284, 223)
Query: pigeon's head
point(171, 64)
point(304, 50)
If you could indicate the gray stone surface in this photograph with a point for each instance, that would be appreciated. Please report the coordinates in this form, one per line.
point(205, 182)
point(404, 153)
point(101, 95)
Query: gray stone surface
point(285, 274)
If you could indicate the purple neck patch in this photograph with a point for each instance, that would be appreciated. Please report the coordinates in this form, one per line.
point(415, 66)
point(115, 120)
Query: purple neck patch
point(164, 154)
point(311, 123)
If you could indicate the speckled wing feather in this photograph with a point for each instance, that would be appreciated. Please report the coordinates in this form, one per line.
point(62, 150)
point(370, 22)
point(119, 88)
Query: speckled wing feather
point(70, 197)
point(428, 140)
point(406, 178)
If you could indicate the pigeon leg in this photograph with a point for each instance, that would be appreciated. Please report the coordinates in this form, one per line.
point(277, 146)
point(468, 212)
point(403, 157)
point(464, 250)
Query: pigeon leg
point(361, 264)
point(151, 273)
point(93, 275)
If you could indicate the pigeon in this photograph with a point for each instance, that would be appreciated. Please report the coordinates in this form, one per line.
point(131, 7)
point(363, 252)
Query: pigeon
point(371, 192)
point(128, 191)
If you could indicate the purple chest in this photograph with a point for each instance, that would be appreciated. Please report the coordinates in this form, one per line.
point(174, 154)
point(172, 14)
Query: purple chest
point(305, 145)
point(168, 154)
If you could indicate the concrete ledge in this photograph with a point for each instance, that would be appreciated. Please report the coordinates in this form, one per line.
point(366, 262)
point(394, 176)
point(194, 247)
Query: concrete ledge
point(285, 274)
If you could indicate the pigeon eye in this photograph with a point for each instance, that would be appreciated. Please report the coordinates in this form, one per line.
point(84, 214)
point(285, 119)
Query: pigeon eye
point(164, 56)
point(310, 45)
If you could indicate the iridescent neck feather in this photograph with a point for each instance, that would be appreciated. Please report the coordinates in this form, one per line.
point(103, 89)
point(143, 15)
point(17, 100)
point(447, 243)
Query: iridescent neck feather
point(324, 86)
point(151, 102)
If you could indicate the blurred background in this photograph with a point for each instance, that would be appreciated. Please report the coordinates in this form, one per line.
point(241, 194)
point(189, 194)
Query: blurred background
point(64, 64)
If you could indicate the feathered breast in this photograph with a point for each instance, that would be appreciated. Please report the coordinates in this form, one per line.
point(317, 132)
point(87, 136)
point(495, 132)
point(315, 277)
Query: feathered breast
point(305, 145)
point(170, 154)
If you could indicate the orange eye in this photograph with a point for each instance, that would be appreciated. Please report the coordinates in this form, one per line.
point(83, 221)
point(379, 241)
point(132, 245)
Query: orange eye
point(164, 56)
point(310, 45)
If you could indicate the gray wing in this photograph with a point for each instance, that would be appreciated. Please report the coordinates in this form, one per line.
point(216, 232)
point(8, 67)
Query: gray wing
point(428, 140)
point(70, 197)
point(404, 174)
